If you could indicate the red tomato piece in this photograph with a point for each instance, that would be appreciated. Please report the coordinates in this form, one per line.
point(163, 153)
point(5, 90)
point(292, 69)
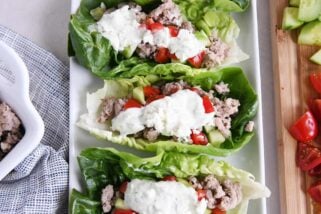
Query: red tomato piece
point(162, 55)
point(123, 211)
point(199, 138)
point(150, 91)
point(315, 79)
point(149, 21)
point(123, 187)
point(315, 191)
point(315, 172)
point(308, 156)
point(173, 56)
point(305, 129)
point(208, 106)
point(315, 107)
point(197, 60)
point(132, 103)
point(156, 26)
point(152, 99)
point(169, 178)
point(201, 193)
point(173, 30)
point(218, 211)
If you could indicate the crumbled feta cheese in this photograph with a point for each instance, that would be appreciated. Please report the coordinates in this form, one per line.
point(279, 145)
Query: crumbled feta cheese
point(249, 126)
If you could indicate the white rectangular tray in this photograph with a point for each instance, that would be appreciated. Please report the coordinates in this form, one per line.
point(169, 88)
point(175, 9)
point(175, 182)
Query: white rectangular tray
point(250, 158)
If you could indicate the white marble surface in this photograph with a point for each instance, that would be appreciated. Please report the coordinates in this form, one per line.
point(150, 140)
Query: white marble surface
point(45, 22)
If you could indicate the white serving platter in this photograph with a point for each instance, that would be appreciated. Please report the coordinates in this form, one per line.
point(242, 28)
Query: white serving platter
point(250, 158)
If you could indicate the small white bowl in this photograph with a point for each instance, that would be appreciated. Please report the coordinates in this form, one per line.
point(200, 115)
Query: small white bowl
point(16, 95)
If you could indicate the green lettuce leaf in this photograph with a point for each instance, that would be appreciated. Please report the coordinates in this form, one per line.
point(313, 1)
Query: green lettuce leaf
point(123, 165)
point(240, 89)
point(95, 52)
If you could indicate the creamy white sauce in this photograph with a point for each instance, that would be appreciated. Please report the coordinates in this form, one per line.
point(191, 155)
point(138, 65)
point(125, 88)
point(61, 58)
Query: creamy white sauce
point(163, 197)
point(121, 28)
point(174, 115)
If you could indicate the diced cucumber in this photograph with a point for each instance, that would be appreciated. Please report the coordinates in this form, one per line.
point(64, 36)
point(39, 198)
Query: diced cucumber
point(290, 18)
point(215, 137)
point(201, 36)
point(316, 58)
point(97, 13)
point(309, 10)
point(295, 3)
point(207, 211)
point(128, 52)
point(120, 204)
point(208, 129)
point(310, 34)
point(138, 94)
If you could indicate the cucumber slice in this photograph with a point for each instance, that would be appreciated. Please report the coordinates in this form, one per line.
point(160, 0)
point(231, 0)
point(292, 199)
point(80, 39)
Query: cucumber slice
point(316, 58)
point(310, 34)
point(208, 129)
point(120, 204)
point(295, 3)
point(290, 18)
point(128, 52)
point(309, 10)
point(138, 94)
point(97, 13)
point(215, 137)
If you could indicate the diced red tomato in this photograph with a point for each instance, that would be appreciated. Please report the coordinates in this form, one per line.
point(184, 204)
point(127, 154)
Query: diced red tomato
point(305, 129)
point(156, 26)
point(132, 103)
point(218, 211)
point(123, 211)
point(208, 106)
point(201, 193)
point(150, 91)
point(169, 178)
point(308, 156)
point(316, 171)
point(199, 138)
point(149, 21)
point(197, 60)
point(123, 187)
point(173, 30)
point(315, 191)
point(162, 55)
point(152, 99)
point(173, 56)
point(315, 79)
point(315, 107)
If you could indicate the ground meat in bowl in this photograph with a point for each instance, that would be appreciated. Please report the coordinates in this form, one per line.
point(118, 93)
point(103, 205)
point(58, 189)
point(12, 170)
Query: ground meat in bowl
point(11, 129)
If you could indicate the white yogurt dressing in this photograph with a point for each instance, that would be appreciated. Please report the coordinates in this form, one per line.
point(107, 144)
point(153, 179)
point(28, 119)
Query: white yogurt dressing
point(121, 28)
point(163, 197)
point(174, 115)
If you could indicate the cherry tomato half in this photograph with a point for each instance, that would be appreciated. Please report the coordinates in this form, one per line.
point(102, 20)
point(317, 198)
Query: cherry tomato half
point(132, 103)
point(156, 26)
point(123, 211)
point(208, 106)
point(162, 55)
point(173, 30)
point(199, 138)
point(123, 187)
point(315, 107)
point(308, 156)
point(169, 178)
point(315, 79)
point(201, 194)
point(197, 60)
point(150, 91)
point(315, 191)
point(315, 172)
point(305, 129)
point(218, 211)
point(152, 99)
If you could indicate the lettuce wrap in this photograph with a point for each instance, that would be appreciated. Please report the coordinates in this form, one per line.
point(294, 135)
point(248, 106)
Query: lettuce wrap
point(96, 53)
point(239, 86)
point(105, 166)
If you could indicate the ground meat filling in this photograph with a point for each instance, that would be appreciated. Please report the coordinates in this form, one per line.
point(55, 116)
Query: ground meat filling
point(167, 13)
point(216, 53)
point(11, 129)
point(107, 198)
point(110, 107)
point(146, 50)
point(225, 195)
point(151, 134)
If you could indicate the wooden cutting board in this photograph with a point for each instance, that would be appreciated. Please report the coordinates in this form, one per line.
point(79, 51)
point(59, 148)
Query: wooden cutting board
point(292, 90)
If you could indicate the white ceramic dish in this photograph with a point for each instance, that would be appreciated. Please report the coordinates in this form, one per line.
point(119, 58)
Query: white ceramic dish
point(16, 95)
point(250, 158)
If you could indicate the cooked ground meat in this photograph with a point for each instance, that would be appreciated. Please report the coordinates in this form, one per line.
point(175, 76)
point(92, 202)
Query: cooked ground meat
point(195, 182)
point(172, 87)
point(222, 88)
point(233, 195)
point(187, 25)
point(146, 50)
point(151, 134)
point(216, 53)
point(11, 130)
point(106, 198)
point(249, 126)
point(167, 13)
point(110, 107)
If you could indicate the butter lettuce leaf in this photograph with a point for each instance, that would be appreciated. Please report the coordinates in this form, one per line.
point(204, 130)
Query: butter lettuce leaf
point(240, 89)
point(124, 166)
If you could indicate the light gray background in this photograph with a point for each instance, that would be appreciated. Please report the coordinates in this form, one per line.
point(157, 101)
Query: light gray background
point(45, 22)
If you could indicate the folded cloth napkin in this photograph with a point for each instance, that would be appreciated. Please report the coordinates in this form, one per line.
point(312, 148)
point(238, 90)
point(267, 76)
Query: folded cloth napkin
point(40, 183)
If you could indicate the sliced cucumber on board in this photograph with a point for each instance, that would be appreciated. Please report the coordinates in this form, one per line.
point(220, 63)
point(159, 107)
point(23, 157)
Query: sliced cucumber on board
point(309, 10)
point(291, 18)
point(295, 3)
point(310, 34)
point(316, 58)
